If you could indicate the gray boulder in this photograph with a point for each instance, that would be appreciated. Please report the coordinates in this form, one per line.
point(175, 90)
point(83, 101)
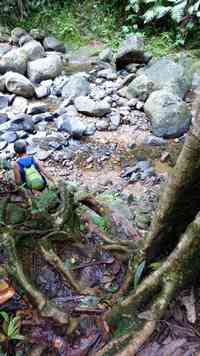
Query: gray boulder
point(3, 145)
point(34, 50)
point(102, 125)
point(9, 137)
point(24, 39)
point(4, 101)
point(168, 113)
point(37, 108)
point(165, 73)
point(16, 34)
point(140, 87)
point(18, 84)
point(77, 85)
point(106, 55)
point(15, 61)
point(44, 68)
point(2, 83)
point(3, 118)
point(115, 120)
point(90, 107)
point(19, 105)
point(42, 91)
point(108, 74)
point(71, 124)
point(4, 48)
point(38, 34)
point(130, 51)
point(52, 44)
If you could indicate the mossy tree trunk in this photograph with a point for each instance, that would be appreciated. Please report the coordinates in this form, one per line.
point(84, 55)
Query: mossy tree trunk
point(174, 242)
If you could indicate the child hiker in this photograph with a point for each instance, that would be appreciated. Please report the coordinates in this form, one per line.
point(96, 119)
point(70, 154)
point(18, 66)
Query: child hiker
point(27, 171)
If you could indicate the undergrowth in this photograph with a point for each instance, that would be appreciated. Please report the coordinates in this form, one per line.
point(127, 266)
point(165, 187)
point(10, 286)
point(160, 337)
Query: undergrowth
point(80, 23)
point(77, 23)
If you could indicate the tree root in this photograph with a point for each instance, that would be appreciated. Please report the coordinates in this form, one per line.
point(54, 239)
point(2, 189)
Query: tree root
point(156, 312)
point(15, 270)
point(116, 247)
point(93, 229)
point(179, 202)
point(164, 282)
point(125, 286)
point(52, 258)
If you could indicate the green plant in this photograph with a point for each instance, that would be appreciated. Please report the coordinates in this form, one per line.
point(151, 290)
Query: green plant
point(138, 274)
point(180, 15)
point(10, 327)
point(101, 222)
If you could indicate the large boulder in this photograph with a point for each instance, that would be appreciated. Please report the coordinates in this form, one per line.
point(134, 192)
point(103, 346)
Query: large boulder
point(37, 34)
point(4, 48)
point(168, 113)
point(24, 39)
point(166, 74)
point(15, 61)
point(90, 107)
point(16, 34)
point(130, 51)
point(18, 84)
point(140, 87)
point(52, 44)
point(34, 50)
point(71, 124)
point(4, 102)
point(106, 55)
point(44, 68)
point(77, 85)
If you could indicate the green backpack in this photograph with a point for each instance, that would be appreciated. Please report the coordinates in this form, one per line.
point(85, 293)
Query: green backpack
point(34, 180)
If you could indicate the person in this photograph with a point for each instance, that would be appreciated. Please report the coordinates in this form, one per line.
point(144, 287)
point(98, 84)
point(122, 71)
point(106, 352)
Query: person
point(27, 171)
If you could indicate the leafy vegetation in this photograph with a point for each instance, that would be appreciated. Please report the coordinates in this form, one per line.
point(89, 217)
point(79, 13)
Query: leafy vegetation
point(181, 16)
point(165, 24)
point(76, 22)
point(9, 332)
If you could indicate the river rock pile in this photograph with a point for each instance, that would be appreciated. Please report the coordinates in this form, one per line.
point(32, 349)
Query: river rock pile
point(129, 88)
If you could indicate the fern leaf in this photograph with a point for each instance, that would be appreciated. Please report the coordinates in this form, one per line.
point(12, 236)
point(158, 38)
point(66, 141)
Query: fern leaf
point(149, 15)
point(196, 6)
point(138, 273)
point(161, 11)
point(178, 11)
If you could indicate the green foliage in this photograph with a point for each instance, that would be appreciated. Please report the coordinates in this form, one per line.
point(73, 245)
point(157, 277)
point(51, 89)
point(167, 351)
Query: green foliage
point(138, 274)
point(11, 10)
point(76, 22)
point(101, 222)
point(181, 16)
point(10, 327)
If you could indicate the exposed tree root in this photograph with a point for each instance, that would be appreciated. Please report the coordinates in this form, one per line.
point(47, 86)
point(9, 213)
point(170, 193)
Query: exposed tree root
point(15, 270)
point(156, 312)
point(93, 229)
point(52, 258)
point(172, 275)
point(180, 200)
point(125, 286)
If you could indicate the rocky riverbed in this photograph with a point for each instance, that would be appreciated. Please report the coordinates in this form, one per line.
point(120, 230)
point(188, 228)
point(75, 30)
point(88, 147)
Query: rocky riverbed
point(115, 126)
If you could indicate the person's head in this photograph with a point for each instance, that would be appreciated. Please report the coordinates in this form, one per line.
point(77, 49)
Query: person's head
point(20, 147)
